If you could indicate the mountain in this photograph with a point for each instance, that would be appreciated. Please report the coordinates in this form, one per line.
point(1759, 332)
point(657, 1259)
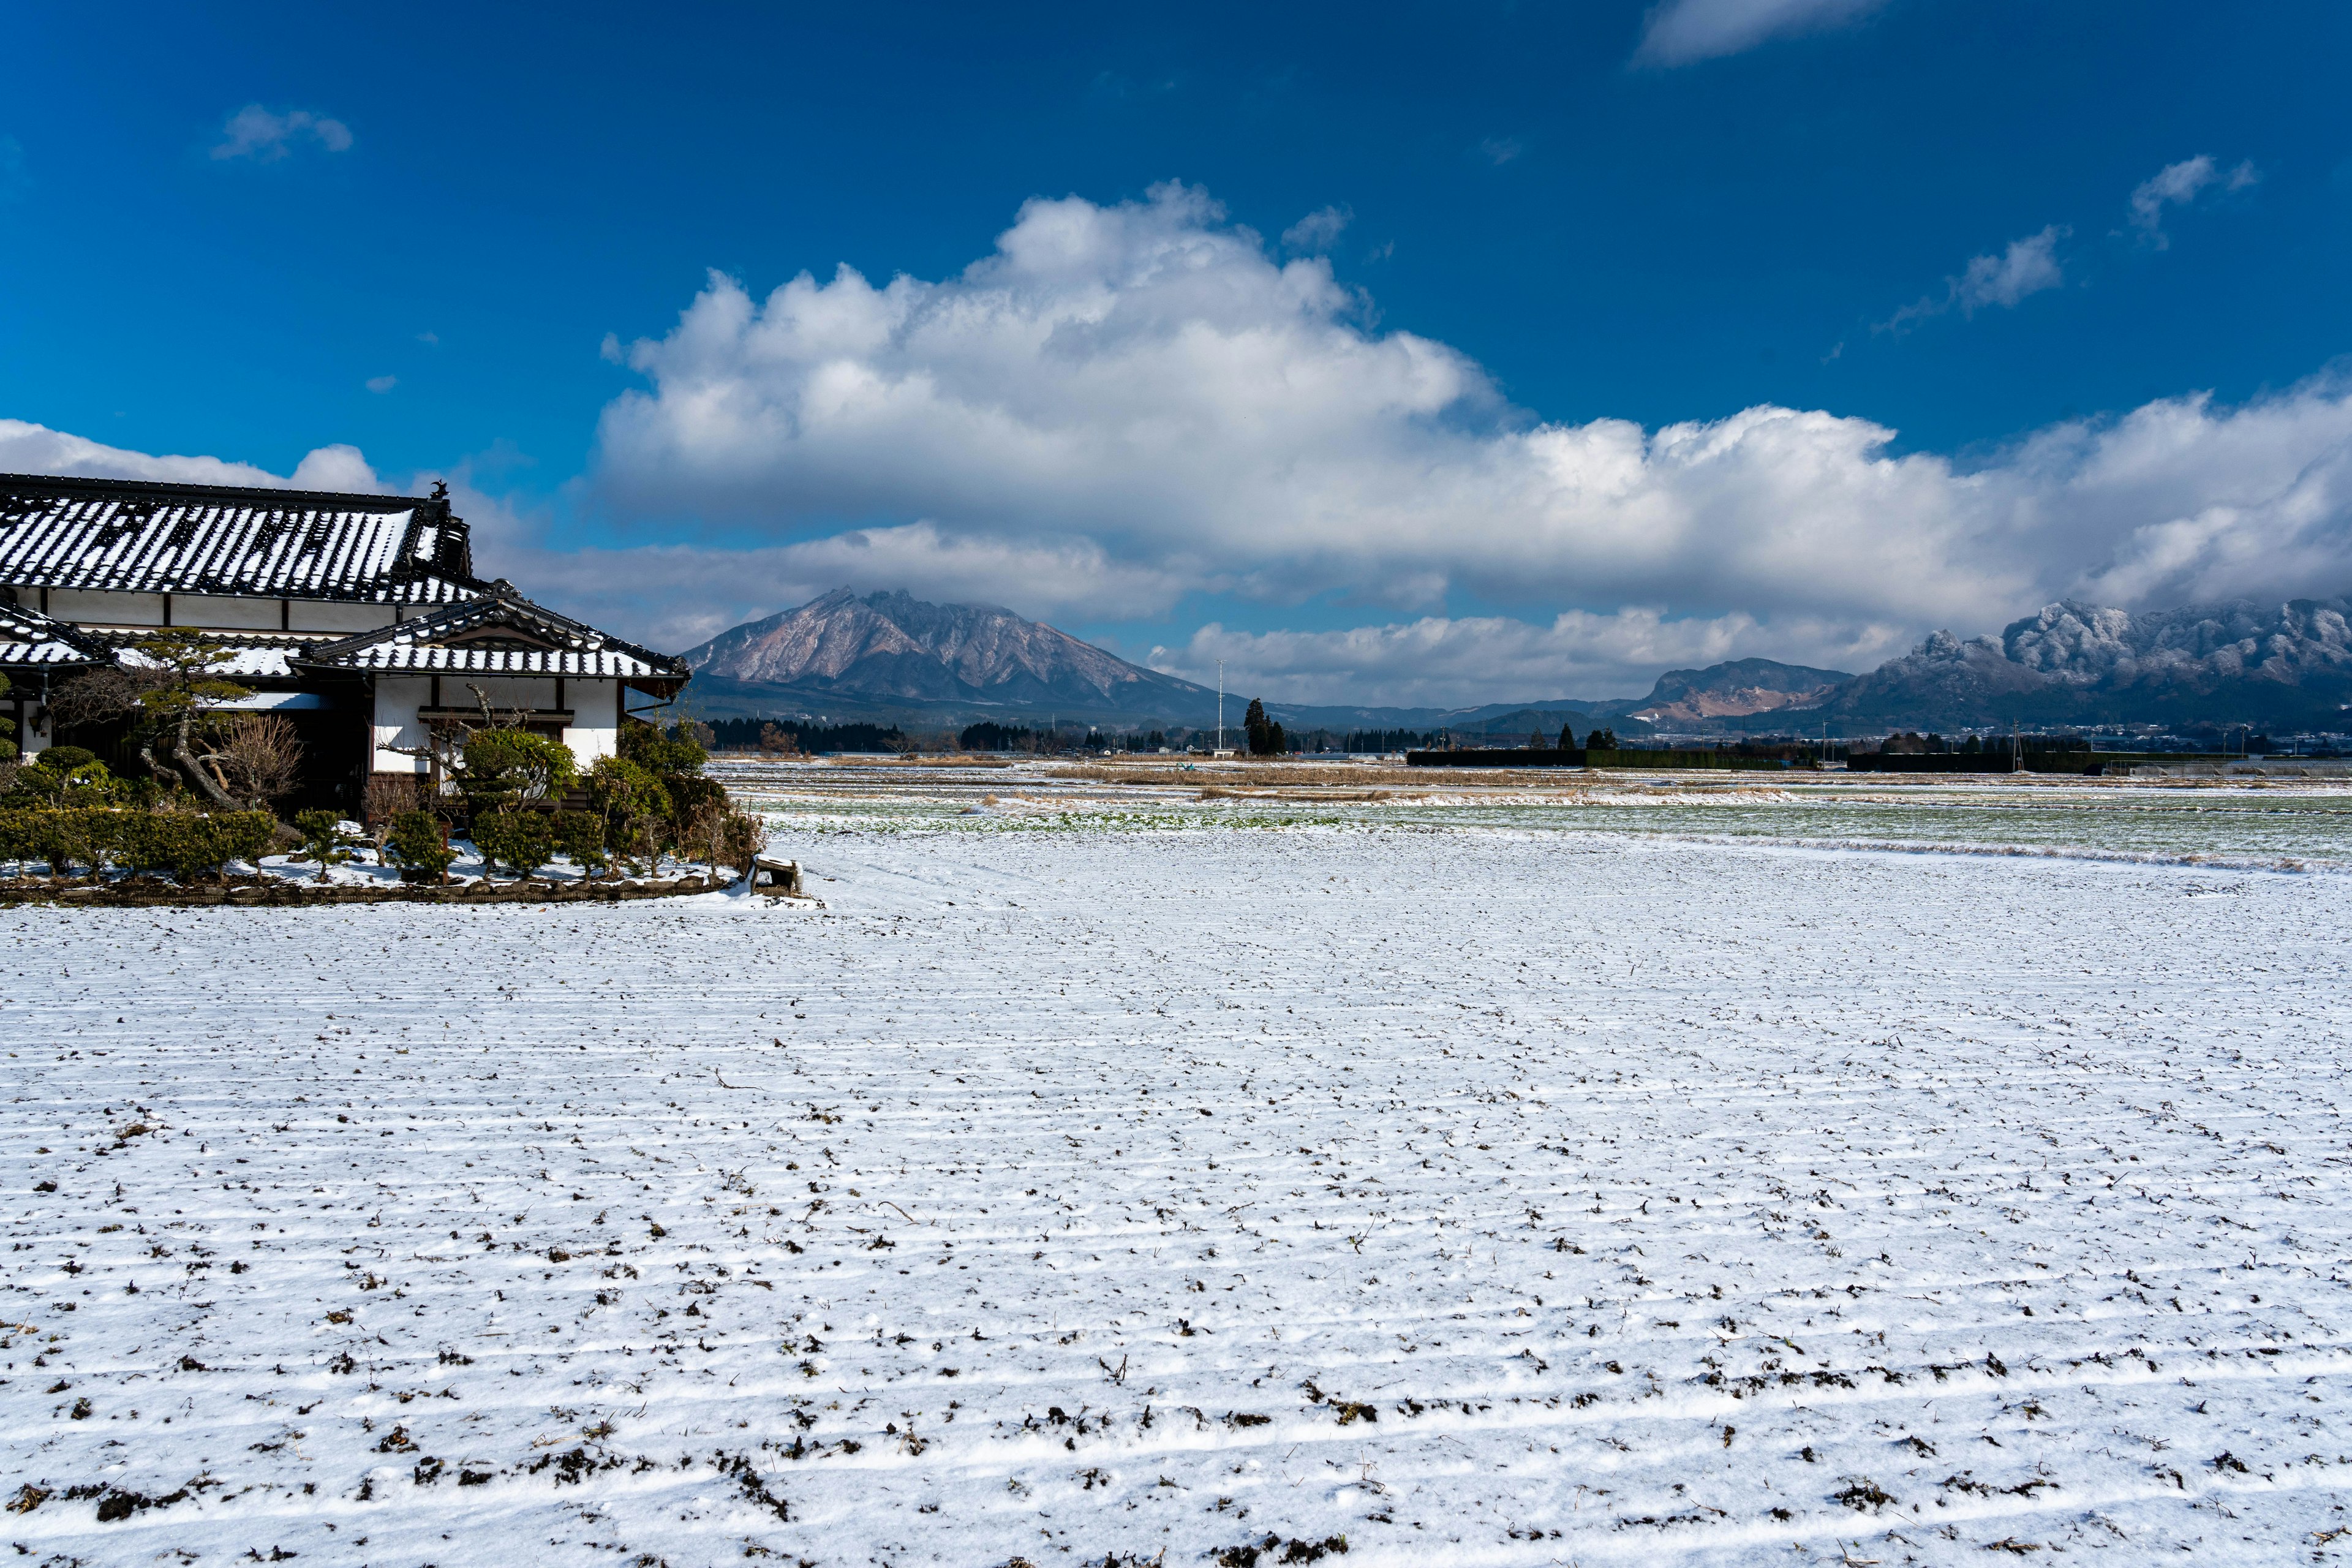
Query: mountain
point(891, 653)
point(2286, 665)
point(1737, 689)
point(892, 657)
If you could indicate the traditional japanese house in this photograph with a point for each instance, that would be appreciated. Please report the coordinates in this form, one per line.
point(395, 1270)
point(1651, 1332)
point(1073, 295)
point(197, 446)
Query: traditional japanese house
point(358, 617)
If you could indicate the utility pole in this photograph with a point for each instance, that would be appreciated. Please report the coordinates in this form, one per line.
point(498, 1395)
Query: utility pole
point(1220, 707)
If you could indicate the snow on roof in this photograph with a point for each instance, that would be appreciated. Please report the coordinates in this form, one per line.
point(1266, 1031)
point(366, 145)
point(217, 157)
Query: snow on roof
point(131, 536)
point(267, 656)
point(30, 639)
point(500, 633)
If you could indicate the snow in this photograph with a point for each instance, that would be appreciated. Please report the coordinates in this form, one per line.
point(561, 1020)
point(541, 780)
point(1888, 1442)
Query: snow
point(1483, 1182)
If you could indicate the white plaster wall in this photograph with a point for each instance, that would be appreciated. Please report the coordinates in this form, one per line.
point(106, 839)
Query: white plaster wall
point(594, 731)
point(31, 738)
point(85, 606)
point(226, 613)
point(505, 692)
point(328, 616)
point(396, 723)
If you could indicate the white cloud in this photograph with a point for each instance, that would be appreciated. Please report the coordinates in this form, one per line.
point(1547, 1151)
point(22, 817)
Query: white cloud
point(1679, 32)
point(256, 133)
point(675, 596)
point(1436, 661)
point(2028, 266)
point(381, 384)
point(1315, 234)
point(2178, 185)
point(1501, 149)
point(28, 448)
point(1123, 405)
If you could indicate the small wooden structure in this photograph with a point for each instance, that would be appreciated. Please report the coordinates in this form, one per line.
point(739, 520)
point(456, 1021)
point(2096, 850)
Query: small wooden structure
point(777, 878)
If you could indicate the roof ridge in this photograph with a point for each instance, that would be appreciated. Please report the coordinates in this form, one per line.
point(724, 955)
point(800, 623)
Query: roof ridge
point(490, 606)
point(372, 501)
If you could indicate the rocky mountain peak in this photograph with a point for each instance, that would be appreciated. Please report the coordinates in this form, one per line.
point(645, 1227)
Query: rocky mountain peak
point(892, 645)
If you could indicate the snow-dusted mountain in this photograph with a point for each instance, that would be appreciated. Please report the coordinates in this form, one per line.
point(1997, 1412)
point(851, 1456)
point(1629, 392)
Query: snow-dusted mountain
point(2077, 663)
point(888, 649)
point(1738, 688)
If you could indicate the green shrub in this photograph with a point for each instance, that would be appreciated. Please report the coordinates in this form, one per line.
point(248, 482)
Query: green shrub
point(61, 838)
point(581, 836)
point(692, 798)
point(663, 754)
point(323, 838)
point(507, 768)
point(741, 837)
point(187, 846)
point(86, 837)
point(183, 845)
point(65, 776)
point(632, 804)
point(415, 843)
point(523, 841)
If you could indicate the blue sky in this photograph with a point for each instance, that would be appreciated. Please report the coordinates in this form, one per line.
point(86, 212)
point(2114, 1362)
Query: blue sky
point(1463, 350)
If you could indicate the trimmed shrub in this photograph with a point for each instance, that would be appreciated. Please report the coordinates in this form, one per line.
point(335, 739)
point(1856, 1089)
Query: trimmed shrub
point(507, 768)
point(182, 844)
point(186, 846)
point(581, 836)
point(691, 798)
point(323, 838)
point(65, 777)
point(415, 845)
point(69, 839)
point(632, 804)
point(674, 752)
point(523, 841)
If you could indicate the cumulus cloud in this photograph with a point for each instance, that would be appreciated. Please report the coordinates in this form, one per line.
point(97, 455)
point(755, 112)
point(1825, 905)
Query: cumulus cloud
point(2178, 185)
point(381, 384)
point(1679, 32)
point(28, 448)
point(1125, 407)
point(2028, 266)
point(1315, 234)
point(264, 137)
point(675, 596)
point(1128, 404)
point(1440, 661)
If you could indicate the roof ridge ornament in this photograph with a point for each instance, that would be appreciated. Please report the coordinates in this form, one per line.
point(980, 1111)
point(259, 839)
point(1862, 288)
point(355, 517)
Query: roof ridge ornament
point(440, 490)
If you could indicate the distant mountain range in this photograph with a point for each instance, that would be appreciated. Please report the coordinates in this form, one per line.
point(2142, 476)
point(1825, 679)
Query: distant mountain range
point(2286, 666)
point(894, 658)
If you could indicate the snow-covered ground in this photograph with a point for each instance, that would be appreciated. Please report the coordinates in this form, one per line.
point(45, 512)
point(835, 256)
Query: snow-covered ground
point(1478, 1189)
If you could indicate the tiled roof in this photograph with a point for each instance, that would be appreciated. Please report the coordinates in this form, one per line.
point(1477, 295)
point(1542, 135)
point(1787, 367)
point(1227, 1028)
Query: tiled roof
point(29, 639)
point(243, 655)
point(131, 536)
point(499, 634)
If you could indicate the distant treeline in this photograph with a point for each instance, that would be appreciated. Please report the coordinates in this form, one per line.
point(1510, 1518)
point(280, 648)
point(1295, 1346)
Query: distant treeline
point(798, 735)
point(991, 736)
point(1388, 740)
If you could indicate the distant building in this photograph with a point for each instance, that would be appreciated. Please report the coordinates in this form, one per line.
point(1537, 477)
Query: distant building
point(357, 617)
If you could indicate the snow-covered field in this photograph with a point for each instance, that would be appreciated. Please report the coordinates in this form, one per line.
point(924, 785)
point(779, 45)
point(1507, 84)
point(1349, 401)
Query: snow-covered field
point(1469, 1185)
